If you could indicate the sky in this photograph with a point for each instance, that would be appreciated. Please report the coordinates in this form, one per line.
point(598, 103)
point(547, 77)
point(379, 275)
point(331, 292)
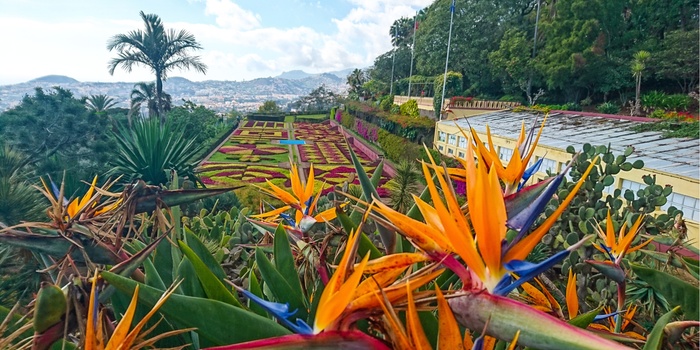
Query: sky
point(242, 39)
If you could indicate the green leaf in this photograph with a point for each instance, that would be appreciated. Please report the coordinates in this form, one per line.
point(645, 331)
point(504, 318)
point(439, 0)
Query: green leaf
point(254, 287)
point(284, 260)
point(370, 192)
point(656, 337)
point(638, 164)
point(676, 291)
point(365, 244)
point(583, 320)
point(152, 276)
point(217, 323)
point(194, 243)
point(190, 285)
point(279, 287)
point(212, 286)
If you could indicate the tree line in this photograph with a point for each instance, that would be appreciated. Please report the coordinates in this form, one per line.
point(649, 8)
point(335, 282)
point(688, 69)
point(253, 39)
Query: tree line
point(583, 50)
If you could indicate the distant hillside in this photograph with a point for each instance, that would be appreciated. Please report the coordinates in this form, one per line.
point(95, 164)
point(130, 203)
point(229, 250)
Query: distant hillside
point(54, 79)
point(218, 95)
point(294, 74)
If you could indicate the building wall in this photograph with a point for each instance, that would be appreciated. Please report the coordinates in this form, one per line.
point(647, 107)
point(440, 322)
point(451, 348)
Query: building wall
point(685, 190)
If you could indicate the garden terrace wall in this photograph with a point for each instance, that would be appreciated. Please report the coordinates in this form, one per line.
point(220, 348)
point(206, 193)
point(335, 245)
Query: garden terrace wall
point(362, 146)
point(414, 129)
point(267, 117)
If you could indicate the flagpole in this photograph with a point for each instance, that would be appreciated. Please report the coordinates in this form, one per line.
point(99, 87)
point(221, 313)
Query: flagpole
point(393, 59)
point(447, 59)
point(413, 47)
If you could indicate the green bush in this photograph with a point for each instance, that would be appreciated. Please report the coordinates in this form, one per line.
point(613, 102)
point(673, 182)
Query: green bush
point(653, 99)
point(410, 108)
point(608, 108)
point(386, 103)
point(677, 102)
point(571, 106)
point(397, 148)
point(512, 98)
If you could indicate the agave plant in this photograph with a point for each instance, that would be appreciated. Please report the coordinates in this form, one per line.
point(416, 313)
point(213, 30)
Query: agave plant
point(150, 152)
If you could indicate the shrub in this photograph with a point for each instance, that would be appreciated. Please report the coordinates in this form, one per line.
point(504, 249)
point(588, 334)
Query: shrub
point(397, 148)
point(410, 108)
point(587, 101)
point(512, 98)
point(395, 109)
point(608, 108)
point(653, 99)
point(571, 106)
point(677, 102)
point(386, 103)
point(658, 114)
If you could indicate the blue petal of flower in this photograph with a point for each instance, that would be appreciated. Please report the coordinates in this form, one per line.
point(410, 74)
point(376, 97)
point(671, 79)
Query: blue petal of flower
point(288, 219)
point(602, 317)
point(308, 205)
point(279, 311)
point(57, 192)
point(523, 219)
point(529, 172)
point(527, 271)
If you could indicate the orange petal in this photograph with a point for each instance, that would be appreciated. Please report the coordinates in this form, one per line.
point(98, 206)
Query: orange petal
point(449, 336)
point(571, 296)
point(415, 329)
point(393, 261)
point(123, 327)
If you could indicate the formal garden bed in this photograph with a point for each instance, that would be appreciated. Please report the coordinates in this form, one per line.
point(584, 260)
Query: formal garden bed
point(251, 156)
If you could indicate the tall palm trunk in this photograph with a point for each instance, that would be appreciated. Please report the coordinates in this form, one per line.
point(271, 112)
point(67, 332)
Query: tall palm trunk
point(159, 100)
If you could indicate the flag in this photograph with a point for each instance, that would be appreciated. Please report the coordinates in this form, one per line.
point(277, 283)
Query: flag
point(415, 25)
point(452, 7)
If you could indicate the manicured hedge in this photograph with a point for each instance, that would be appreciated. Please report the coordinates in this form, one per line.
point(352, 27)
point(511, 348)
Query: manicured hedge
point(396, 148)
point(416, 129)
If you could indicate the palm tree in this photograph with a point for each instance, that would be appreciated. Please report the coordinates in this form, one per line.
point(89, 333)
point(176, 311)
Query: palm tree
point(157, 49)
point(99, 103)
point(355, 80)
point(401, 30)
point(403, 186)
point(145, 94)
point(638, 66)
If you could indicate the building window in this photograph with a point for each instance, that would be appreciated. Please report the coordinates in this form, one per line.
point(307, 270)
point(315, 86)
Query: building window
point(548, 165)
point(687, 204)
point(505, 154)
point(631, 185)
point(440, 147)
point(461, 155)
point(452, 140)
point(462, 142)
point(442, 136)
point(450, 151)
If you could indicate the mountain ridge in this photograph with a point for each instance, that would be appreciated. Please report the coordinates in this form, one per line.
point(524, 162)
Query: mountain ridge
point(216, 94)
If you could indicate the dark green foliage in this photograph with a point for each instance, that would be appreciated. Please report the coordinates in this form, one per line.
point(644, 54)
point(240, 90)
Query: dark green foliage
point(608, 108)
point(269, 106)
point(319, 99)
point(56, 132)
point(671, 128)
point(386, 103)
point(198, 122)
point(150, 151)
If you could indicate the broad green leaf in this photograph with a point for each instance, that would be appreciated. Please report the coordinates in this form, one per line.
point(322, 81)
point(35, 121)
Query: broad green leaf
point(356, 215)
point(414, 213)
point(57, 246)
point(676, 291)
point(254, 287)
point(152, 276)
point(176, 197)
point(163, 262)
point(370, 192)
point(190, 285)
point(314, 300)
point(284, 260)
point(583, 320)
point(656, 337)
point(217, 323)
point(212, 286)
point(279, 287)
point(194, 243)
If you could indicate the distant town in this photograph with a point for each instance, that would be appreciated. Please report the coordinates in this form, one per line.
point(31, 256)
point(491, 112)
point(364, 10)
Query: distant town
point(221, 96)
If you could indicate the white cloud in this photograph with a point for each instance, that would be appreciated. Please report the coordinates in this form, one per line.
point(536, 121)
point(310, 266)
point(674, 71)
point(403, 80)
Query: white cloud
point(237, 44)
